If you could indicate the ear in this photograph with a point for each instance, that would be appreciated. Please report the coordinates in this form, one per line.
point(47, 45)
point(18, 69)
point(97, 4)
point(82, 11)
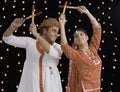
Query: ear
point(44, 30)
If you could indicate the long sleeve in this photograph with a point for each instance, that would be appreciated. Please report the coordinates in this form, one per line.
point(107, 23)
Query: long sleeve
point(96, 38)
point(70, 53)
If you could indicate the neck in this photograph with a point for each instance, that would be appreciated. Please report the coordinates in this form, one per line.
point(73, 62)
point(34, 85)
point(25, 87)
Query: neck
point(50, 42)
point(83, 48)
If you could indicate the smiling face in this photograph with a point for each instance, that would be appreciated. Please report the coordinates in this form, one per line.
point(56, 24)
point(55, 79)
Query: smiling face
point(51, 34)
point(80, 38)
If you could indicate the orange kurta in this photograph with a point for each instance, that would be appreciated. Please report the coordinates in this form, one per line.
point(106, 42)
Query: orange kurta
point(86, 69)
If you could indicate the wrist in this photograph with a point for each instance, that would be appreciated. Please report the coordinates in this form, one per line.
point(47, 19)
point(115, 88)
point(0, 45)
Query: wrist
point(37, 36)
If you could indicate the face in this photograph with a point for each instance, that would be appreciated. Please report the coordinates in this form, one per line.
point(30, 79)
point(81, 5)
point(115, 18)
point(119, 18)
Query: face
point(80, 38)
point(52, 34)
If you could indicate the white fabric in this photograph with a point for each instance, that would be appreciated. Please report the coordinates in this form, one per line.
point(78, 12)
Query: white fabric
point(30, 76)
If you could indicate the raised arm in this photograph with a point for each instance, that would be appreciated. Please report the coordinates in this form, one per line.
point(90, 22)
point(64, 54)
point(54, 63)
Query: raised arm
point(96, 37)
point(62, 21)
point(83, 9)
point(43, 43)
point(14, 25)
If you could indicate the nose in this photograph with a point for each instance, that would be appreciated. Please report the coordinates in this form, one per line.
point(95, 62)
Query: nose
point(57, 35)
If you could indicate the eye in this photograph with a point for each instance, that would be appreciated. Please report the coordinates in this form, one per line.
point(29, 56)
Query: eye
point(81, 34)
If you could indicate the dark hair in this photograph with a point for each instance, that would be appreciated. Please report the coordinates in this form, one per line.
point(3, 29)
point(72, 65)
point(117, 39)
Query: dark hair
point(80, 29)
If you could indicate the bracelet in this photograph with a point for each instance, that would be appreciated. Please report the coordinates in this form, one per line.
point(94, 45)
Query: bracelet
point(37, 36)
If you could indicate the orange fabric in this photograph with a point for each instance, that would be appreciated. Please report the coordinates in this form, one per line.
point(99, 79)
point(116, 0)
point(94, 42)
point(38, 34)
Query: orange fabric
point(84, 70)
point(40, 65)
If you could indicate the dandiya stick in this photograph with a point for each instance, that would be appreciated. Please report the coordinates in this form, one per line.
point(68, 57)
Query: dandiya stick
point(70, 7)
point(31, 15)
point(64, 7)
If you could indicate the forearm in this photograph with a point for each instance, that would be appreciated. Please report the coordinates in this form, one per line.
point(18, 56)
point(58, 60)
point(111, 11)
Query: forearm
point(93, 20)
point(63, 34)
point(9, 31)
point(43, 43)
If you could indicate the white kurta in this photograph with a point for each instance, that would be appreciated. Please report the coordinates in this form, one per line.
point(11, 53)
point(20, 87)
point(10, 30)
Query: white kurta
point(30, 76)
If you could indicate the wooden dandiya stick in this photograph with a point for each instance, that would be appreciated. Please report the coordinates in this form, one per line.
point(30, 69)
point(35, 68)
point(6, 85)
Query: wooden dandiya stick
point(64, 7)
point(70, 7)
point(31, 15)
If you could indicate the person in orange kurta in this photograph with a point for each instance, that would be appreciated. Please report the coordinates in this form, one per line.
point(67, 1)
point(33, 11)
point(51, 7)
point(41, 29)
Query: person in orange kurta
point(85, 74)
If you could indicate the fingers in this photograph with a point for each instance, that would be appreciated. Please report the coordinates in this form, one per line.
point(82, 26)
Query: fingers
point(82, 9)
point(62, 18)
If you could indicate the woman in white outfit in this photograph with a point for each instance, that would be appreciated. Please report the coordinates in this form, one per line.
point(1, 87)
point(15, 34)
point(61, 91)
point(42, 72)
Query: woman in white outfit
point(40, 72)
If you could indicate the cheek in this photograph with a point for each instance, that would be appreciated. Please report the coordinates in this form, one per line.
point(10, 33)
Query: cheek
point(75, 41)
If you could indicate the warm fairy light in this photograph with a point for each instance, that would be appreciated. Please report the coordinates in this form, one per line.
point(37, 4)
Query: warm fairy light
point(14, 1)
point(18, 54)
point(45, 1)
point(24, 32)
point(5, 1)
point(18, 63)
point(114, 60)
point(5, 74)
point(111, 0)
point(70, 3)
point(103, 68)
point(111, 32)
point(7, 49)
point(17, 86)
point(14, 14)
point(46, 8)
point(102, 41)
point(0, 25)
point(3, 8)
point(1, 57)
point(114, 67)
point(13, 6)
point(75, 26)
point(103, 56)
point(2, 90)
point(103, 2)
point(90, 4)
point(104, 31)
point(70, 12)
point(109, 17)
point(23, 2)
point(23, 9)
point(20, 70)
point(70, 39)
point(2, 82)
point(98, 7)
point(8, 66)
point(59, 58)
point(4, 17)
point(110, 24)
point(60, 65)
point(113, 54)
point(69, 30)
point(46, 16)
point(103, 22)
point(79, 20)
point(59, 2)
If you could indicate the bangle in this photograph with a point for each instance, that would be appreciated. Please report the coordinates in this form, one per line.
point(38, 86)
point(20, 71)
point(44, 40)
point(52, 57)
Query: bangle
point(37, 36)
